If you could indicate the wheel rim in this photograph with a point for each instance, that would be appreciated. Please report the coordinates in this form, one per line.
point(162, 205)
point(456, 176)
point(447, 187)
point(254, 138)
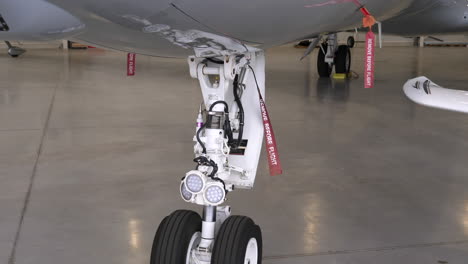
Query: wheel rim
point(348, 61)
point(194, 241)
point(350, 42)
point(251, 253)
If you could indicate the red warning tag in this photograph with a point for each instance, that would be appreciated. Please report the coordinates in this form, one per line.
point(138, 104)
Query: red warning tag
point(131, 60)
point(271, 147)
point(369, 60)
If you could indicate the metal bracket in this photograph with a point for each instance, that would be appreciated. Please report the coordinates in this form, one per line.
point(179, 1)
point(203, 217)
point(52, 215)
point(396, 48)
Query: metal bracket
point(379, 26)
point(332, 42)
point(312, 46)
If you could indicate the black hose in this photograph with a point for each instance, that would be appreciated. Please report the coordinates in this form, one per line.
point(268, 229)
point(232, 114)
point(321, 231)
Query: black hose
point(241, 110)
point(227, 124)
point(215, 169)
point(199, 140)
point(204, 161)
point(228, 130)
point(226, 107)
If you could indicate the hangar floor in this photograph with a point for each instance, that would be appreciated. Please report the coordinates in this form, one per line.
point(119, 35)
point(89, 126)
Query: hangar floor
point(90, 160)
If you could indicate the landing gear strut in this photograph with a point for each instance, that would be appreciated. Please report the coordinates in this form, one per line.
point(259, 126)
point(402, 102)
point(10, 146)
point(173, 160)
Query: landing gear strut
point(324, 68)
point(228, 139)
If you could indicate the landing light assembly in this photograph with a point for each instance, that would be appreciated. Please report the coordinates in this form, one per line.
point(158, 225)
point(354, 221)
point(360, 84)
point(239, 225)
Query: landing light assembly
point(195, 181)
point(199, 188)
point(186, 195)
point(214, 193)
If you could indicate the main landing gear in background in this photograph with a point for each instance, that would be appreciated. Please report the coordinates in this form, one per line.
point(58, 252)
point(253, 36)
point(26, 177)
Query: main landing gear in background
point(14, 51)
point(228, 139)
point(333, 55)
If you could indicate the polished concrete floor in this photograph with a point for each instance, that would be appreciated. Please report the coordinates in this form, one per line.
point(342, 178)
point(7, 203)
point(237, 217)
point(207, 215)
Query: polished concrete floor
point(90, 160)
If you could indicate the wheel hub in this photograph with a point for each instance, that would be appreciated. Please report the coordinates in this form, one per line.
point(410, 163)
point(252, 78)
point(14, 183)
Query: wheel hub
point(251, 253)
point(194, 241)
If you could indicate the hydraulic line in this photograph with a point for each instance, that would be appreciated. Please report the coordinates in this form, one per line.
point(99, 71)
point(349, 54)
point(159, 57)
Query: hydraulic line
point(238, 101)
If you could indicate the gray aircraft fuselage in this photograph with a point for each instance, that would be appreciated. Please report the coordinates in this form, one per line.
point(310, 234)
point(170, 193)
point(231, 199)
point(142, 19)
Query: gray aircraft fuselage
point(424, 17)
point(177, 28)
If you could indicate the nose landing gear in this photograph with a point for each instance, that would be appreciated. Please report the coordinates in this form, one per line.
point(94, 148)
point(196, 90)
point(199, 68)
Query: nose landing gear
point(227, 150)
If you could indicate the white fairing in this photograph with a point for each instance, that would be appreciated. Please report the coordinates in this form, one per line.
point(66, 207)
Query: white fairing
point(422, 91)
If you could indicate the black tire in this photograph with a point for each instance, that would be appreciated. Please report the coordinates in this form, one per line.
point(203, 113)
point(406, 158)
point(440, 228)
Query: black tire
point(14, 56)
point(231, 242)
point(323, 68)
point(351, 42)
point(173, 237)
point(343, 59)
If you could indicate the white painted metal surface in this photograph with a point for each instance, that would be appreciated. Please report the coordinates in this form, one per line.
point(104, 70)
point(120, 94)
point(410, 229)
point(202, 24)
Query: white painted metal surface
point(251, 253)
point(423, 91)
point(194, 241)
point(234, 170)
point(219, 169)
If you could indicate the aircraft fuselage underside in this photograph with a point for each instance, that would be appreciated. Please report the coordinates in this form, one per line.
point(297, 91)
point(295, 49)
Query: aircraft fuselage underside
point(179, 28)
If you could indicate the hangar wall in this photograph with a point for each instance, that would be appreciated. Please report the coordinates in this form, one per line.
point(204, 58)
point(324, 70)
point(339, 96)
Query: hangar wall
point(393, 40)
point(388, 40)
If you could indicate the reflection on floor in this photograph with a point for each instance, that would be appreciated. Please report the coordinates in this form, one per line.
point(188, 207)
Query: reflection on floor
point(369, 177)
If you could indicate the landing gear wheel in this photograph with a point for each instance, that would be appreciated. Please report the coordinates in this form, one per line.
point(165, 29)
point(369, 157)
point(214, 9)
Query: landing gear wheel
point(343, 60)
point(324, 69)
point(239, 241)
point(351, 42)
point(177, 235)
